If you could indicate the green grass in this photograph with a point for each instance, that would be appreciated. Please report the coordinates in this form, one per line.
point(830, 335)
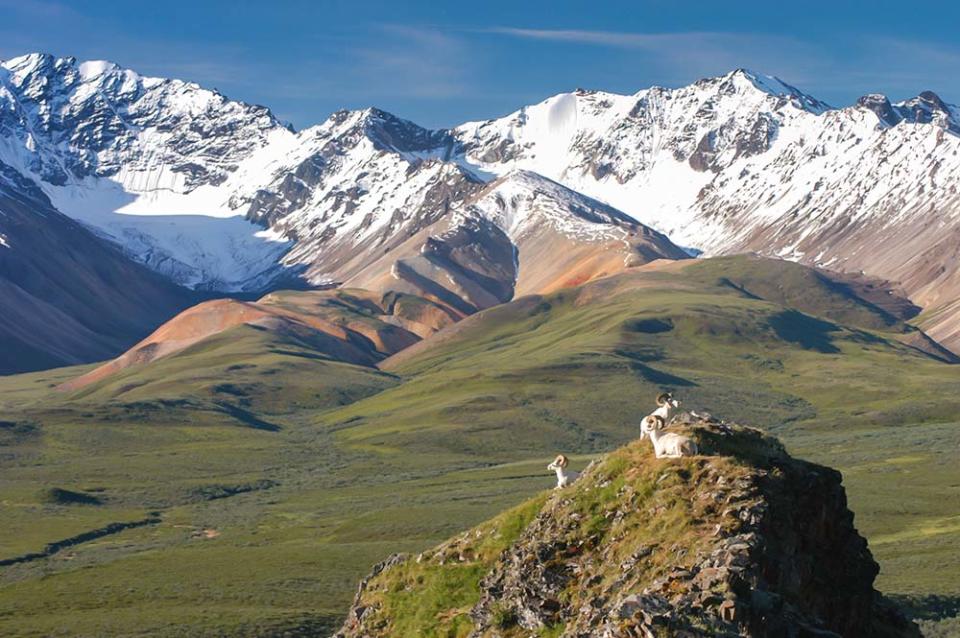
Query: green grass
point(363, 463)
point(433, 598)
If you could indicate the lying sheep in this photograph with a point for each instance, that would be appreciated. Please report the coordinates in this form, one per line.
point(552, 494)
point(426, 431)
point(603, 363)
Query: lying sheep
point(669, 445)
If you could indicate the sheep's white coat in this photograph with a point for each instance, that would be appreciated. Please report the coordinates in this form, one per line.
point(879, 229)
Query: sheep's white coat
point(564, 478)
point(669, 445)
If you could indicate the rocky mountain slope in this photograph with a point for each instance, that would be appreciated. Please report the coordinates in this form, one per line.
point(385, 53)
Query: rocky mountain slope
point(67, 295)
point(741, 541)
point(218, 195)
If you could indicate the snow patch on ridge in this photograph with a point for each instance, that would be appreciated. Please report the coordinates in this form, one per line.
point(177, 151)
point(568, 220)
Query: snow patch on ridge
point(521, 202)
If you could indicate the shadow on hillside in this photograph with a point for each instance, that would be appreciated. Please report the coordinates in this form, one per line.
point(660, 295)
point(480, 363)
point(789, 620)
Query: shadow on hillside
point(658, 377)
point(638, 365)
point(247, 418)
point(805, 331)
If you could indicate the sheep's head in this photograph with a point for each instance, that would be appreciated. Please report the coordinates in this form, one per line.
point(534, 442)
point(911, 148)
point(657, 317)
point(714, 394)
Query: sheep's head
point(666, 398)
point(558, 463)
point(651, 423)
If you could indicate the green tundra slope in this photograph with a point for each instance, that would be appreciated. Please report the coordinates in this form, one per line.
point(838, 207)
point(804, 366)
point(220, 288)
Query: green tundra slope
point(266, 478)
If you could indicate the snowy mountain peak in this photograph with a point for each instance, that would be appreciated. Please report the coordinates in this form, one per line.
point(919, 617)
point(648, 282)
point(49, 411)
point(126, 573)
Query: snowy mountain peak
point(24, 65)
point(383, 131)
point(95, 68)
point(519, 200)
point(44, 65)
point(65, 121)
point(741, 79)
point(390, 132)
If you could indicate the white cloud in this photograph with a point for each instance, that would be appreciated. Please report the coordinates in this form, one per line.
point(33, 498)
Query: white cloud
point(410, 62)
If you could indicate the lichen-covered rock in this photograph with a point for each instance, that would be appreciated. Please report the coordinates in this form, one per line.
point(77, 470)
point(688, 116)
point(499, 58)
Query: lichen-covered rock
point(741, 541)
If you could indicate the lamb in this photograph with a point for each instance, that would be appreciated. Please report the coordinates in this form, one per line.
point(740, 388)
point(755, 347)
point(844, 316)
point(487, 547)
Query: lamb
point(564, 478)
point(670, 446)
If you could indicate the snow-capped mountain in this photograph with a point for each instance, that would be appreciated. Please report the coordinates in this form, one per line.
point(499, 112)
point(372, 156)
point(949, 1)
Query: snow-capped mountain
point(519, 234)
point(712, 163)
point(218, 194)
point(748, 163)
point(649, 154)
point(140, 160)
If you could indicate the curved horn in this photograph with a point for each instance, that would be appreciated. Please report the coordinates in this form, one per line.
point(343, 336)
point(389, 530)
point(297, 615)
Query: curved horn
point(561, 461)
point(663, 397)
point(658, 421)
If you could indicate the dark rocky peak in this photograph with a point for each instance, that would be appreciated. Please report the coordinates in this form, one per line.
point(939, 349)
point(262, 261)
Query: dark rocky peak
point(926, 108)
point(932, 99)
point(880, 106)
point(390, 132)
point(929, 108)
point(387, 132)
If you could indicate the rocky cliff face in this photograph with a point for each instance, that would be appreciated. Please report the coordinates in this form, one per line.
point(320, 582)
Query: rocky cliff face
point(741, 541)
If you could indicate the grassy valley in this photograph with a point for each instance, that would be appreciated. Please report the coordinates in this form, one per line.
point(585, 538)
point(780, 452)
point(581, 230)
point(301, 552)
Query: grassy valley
point(274, 475)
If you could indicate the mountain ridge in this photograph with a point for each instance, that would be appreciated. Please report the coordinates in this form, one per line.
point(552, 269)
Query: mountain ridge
point(237, 202)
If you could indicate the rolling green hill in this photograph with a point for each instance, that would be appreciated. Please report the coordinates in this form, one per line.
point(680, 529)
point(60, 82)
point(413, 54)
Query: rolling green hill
point(271, 477)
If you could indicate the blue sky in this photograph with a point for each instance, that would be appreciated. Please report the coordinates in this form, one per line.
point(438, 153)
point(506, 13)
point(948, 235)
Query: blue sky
point(442, 63)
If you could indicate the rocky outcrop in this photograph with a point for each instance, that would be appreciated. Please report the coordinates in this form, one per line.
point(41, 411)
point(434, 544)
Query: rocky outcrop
point(742, 541)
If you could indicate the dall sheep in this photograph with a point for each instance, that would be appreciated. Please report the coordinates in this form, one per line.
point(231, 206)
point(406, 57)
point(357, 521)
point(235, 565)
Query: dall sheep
point(670, 446)
point(667, 407)
point(564, 478)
